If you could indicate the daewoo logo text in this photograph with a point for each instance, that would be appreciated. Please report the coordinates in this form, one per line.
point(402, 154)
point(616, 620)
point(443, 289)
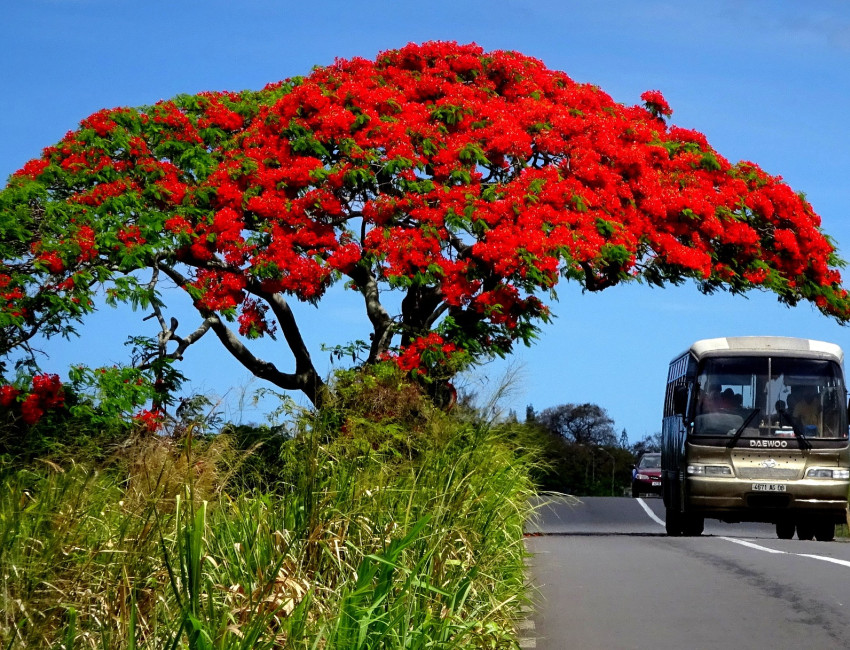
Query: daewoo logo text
point(769, 443)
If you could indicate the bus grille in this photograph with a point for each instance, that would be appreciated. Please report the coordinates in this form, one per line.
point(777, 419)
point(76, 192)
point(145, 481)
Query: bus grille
point(768, 472)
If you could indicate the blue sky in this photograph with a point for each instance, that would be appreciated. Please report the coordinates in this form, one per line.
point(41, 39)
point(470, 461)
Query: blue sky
point(766, 81)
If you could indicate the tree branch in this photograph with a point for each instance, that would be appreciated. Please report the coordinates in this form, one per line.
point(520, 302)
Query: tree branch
point(305, 378)
point(382, 324)
point(463, 250)
point(307, 381)
point(418, 309)
point(595, 281)
point(290, 329)
point(441, 309)
point(183, 343)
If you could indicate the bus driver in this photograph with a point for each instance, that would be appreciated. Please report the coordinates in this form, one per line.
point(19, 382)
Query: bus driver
point(806, 406)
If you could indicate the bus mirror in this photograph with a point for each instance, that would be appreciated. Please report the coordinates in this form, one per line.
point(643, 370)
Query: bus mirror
point(680, 400)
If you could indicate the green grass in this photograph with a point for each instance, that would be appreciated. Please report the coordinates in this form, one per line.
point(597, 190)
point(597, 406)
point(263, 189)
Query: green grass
point(412, 539)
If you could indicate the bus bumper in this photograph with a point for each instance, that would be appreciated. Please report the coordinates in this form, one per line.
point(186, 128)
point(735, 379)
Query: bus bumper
point(731, 499)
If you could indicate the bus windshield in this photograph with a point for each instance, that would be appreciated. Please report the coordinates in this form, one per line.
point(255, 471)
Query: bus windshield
point(770, 396)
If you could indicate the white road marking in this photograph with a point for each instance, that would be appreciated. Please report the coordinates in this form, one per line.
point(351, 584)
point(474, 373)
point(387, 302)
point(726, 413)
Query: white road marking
point(752, 545)
point(758, 547)
point(825, 559)
point(651, 514)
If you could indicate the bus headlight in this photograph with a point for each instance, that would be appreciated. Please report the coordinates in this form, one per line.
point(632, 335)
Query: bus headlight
point(825, 472)
point(709, 470)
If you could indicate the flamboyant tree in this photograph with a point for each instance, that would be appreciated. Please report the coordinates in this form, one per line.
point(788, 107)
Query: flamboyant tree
point(467, 182)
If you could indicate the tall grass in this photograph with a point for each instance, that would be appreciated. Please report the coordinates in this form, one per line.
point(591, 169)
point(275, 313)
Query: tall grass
point(382, 531)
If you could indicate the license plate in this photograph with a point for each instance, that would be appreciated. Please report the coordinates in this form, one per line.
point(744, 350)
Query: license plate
point(656, 483)
point(769, 487)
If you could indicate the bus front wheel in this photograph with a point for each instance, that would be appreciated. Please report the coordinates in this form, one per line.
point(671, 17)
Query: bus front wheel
point(678, 524)
point(673, 522)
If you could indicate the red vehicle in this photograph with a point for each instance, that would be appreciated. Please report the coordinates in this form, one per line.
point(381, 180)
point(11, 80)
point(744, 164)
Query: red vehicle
point(646, 475)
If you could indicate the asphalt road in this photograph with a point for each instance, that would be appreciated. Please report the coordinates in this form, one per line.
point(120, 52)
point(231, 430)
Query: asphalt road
point(608, 577)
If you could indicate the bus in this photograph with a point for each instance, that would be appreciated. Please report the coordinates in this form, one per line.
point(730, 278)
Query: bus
point(755, 429)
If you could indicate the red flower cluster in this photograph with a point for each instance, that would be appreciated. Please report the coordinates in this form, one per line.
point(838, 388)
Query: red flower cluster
point(8, 395)
point(423, 353)
point(102, 192)
point(218, 114)
point(46, 394)
point(87, 245)
point(131, 236)
point(253, 322)
point(149, 421)
point(11, 297)
point(219, 291)
point(52, 261)
point(656, 104)
point(102, 122)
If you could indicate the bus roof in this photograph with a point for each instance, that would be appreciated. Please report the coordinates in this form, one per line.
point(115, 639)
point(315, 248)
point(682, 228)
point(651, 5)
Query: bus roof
point(783, 345)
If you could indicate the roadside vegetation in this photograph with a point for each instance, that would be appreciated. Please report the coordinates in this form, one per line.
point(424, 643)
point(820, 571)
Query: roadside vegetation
point(582, 470)
point(582, 454)
point(376, 521)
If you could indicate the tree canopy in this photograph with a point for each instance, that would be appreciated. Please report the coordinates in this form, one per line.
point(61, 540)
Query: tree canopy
point(583, 424)
point(467, 183)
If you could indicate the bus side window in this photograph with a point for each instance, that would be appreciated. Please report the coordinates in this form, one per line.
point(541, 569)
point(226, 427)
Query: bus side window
point(680, 400)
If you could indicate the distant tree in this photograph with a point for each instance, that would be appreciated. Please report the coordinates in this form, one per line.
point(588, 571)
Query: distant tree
point(649, 443)
point(530, 415)
point(464, 182)
point(579, 469)
point(583, 424)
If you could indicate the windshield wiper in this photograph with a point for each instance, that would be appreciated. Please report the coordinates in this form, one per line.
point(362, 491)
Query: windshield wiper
point(801, 437)
point(741, 428)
